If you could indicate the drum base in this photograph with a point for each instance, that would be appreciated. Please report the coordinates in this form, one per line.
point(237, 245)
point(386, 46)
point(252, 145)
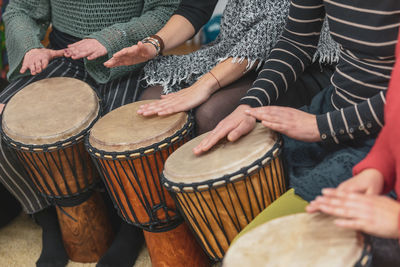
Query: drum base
point(89, 238)
point(177, 248)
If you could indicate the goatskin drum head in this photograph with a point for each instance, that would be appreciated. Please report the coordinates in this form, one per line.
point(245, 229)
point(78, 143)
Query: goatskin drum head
point(124, 130)
point(224, 158)
point(50, 111)
point(300, 240)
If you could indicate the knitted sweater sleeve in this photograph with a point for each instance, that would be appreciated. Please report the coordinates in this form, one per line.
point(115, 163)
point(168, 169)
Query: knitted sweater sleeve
point(25, 22)
point(120, 35)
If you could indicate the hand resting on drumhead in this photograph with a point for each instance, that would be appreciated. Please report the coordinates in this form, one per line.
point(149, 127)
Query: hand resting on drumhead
point(86, 48)
point(292, 122)
point(132, 55)
point(182, 100)
point(237, 124)
point(289, 121)
point(37, 59)
point(223, 74)
point(358, 205)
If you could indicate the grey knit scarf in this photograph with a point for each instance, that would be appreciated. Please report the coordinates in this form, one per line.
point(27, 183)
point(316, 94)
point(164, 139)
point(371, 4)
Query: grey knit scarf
point(249, 30)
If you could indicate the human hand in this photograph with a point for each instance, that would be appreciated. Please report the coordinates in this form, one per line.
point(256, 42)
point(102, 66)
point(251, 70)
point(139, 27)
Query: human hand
point(182, 100)
point(372, 214)
point(89, 48)
point(1, 108)
point(369, 181)
point(37, 59)
point(292, 122)
point(233, 127)
point(132, 55)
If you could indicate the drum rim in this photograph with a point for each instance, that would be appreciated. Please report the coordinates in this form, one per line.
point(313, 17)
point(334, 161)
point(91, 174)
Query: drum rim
point(49, 147)
point(30, 144)
point(187, 129)
point(364, 260)
point(236, 176)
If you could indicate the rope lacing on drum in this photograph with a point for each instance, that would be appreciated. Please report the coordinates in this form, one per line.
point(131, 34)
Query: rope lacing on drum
point(43, 164)
point(241, 174)
point(202, 203)
point(154, 204)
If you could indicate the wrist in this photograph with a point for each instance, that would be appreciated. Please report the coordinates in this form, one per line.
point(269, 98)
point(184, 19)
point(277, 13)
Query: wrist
point(398, 225)
point(156, 41)
point(243, 107)
point(377, 176)
point(317, 134)
point(210, 83)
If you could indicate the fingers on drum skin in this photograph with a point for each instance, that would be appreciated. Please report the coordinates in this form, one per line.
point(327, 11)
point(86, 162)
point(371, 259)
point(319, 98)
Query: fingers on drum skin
point(351, 224)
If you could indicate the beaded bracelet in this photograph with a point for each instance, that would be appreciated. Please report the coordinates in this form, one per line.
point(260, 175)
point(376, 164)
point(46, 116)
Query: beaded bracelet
point(160, 41)
point(156, 41)
point(149, 40)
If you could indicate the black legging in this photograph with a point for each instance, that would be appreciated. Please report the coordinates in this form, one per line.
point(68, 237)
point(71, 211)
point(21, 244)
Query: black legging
point(225, 100)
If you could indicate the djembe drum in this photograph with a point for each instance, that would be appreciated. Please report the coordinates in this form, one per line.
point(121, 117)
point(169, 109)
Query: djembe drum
point(129, 151)
point(300, 240)
point(45, 124)
point(220, 192)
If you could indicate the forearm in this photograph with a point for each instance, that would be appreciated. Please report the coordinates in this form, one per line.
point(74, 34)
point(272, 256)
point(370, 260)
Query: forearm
point(223, 74)
point(177, 30)
point(291, 54)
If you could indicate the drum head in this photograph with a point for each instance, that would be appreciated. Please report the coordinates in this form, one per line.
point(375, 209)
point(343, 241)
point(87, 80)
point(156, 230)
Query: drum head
point(300, 240)
point(124, 130)
point(49, 111)
point(224, 159)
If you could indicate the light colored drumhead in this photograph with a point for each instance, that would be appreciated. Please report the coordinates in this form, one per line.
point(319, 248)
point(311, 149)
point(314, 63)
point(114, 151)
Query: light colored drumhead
point(49, 111)
point(300, 240)
point(224, 159)
point(124, 130)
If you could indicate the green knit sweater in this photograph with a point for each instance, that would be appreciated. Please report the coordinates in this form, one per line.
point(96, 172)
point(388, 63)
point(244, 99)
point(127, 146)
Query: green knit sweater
point(114, 23)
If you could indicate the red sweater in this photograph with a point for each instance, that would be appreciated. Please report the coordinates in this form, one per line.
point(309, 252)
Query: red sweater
point(385, 154)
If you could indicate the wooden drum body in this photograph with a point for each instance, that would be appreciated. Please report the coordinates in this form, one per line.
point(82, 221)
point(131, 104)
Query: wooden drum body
point(45, 123)
point(129, 151)
point(222, 191)
point(299, 240)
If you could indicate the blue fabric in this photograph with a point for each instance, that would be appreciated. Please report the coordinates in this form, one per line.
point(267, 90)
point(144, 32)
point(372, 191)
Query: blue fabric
point(314, 166)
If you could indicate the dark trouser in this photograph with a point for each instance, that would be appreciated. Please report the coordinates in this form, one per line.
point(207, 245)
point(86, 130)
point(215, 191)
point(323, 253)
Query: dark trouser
point(225, 100)
point(112, 94)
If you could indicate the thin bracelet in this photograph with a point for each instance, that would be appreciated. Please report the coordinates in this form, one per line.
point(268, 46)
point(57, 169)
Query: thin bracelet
point(215, 79)
point(160, 42)
point(154, 42)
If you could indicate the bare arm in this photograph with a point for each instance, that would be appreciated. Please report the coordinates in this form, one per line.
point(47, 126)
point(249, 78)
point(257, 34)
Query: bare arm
point(177, 30)
point(222, 75)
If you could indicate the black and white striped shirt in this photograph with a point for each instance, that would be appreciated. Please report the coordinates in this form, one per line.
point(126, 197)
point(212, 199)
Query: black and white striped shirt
point(366, 31)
